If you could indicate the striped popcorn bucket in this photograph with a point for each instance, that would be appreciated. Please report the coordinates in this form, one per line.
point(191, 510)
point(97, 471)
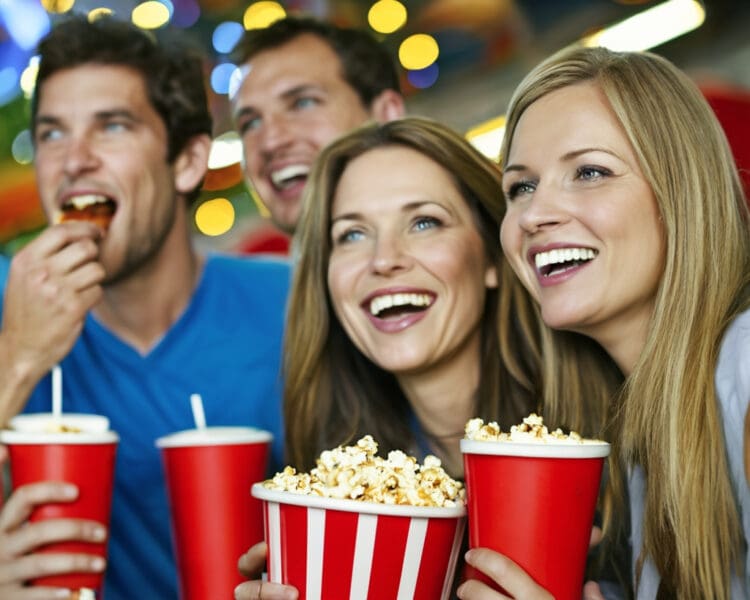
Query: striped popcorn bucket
point(332, 549)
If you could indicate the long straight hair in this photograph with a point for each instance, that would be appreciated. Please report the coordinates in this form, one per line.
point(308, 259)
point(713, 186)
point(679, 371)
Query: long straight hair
point(333, 393)
point(666, 417)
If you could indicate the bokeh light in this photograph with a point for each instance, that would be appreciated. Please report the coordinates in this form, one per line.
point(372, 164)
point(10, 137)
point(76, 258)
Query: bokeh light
point(226, 149)
point(386, 16)
point(418, 51)
point(215, 217)
point(22, 149)
point(226, 35)
point(221, 76)
point(150, 15)
point(28, 77)
point(24, 22)
point(186, 13)
point(58, 6)
point(99, 13)
point(261, 14)
point(424, 78)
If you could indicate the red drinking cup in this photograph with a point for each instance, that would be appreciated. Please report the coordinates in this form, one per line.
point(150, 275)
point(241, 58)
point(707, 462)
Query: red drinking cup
point(534, 503)
point(209, 473)
point(83, 454)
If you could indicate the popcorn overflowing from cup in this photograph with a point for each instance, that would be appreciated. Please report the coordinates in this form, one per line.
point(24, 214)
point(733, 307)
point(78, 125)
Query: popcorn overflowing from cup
point(531, 430)
point(357, 473)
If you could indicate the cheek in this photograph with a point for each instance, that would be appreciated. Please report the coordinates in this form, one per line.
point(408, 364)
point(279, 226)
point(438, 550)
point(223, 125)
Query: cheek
point(340, 283)
point(510, 239)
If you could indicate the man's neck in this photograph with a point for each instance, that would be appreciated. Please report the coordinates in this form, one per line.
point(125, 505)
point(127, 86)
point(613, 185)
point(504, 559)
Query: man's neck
point(141, 308)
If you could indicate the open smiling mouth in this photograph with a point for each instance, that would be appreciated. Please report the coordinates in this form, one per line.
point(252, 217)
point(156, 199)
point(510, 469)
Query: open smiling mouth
point(289, 176)
point(563, 259)
point(393, 306)
point(90, 207)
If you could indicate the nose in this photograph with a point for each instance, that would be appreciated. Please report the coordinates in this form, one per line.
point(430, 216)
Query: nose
point(276, 133)
point(542, 210)
point(80, 157)
point(389, 255)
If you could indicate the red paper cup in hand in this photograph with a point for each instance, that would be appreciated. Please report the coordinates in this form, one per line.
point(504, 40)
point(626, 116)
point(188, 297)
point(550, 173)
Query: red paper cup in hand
point(331, 549)
point(534, 503)
point(74, 448)
point(209, 473)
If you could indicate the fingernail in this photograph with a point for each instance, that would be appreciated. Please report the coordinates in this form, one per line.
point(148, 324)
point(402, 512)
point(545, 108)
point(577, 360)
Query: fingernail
point(70, 491)
point(98, 564)
point(459, 590)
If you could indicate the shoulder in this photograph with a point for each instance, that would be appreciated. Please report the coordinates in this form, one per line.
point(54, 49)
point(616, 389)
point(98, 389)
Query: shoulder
point(733, 367)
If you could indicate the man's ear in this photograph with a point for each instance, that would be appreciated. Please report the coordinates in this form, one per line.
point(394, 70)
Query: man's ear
point(387, 106)
point(191, 164)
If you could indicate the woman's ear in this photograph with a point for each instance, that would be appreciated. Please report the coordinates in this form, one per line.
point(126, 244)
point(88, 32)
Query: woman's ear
point(191, 164)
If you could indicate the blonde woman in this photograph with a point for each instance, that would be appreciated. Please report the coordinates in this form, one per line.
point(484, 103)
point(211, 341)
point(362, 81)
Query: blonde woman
point(626, 221)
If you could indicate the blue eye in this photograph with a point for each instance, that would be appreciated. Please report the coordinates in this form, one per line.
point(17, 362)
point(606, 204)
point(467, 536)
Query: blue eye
point(246, 125)
point(423, 223)
point(518, 188)
point(306, 102)
point(348, 236)
point(589, 173)
point(115, 126)
point(48, 134)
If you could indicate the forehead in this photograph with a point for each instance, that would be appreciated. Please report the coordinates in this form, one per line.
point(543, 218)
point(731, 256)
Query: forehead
point(412, 177)
point(95, 87)
point(305, 60)
point(575, 115)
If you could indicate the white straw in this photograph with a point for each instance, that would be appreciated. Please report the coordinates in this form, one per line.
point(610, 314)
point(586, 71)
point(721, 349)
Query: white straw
point(56, 392)
point(196, 403)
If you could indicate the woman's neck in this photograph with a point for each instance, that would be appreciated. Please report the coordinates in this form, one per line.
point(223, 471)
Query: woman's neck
point(443, 400)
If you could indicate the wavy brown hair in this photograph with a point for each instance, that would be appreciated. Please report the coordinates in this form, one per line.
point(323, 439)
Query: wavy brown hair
point(333, 392)
point(666, 418)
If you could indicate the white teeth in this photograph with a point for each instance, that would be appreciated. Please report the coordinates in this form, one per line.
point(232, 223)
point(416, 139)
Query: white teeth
point(381, 303)
point(85, 200)
point(563, 255)
point(284, 174)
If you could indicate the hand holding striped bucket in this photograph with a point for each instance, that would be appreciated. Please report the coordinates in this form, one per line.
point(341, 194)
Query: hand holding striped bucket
point(399, 539)
point(331, 549)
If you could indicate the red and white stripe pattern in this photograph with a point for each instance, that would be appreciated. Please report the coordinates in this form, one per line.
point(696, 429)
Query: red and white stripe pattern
point(335, 555)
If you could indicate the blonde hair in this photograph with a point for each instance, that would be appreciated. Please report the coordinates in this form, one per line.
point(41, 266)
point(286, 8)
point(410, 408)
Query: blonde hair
point(333, 393)
point(666, 417)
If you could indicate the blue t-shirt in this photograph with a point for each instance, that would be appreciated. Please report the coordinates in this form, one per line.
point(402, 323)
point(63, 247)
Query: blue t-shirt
point(227, 347)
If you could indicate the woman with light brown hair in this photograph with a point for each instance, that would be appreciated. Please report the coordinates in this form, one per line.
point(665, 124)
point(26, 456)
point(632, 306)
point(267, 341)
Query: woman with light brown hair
point(627, 223)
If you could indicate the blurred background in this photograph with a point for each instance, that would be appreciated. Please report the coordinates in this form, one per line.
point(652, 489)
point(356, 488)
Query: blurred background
point(459, 62)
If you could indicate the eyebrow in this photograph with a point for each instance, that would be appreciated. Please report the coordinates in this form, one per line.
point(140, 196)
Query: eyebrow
point(406, 208)
point(292, 92)
point(102, 115)
point(565, 157)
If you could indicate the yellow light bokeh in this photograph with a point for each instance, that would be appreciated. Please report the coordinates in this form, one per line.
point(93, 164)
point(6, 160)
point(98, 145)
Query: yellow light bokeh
point(214, 217)
point(386, 16)
point(58, 6)
point(150, 15)
point(98, 13)
point(28, 77)
point(418, 51)
point(261, 14)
